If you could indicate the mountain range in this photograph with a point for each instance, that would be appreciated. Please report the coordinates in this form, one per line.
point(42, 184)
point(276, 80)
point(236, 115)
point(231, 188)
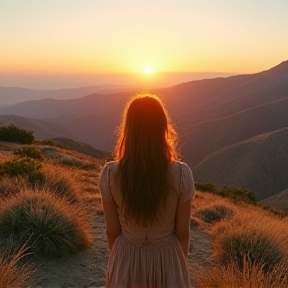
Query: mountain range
point(13, 95)
point(233, 130)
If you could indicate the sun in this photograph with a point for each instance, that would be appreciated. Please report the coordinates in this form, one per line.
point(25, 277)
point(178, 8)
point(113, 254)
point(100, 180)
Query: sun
point(148, 70)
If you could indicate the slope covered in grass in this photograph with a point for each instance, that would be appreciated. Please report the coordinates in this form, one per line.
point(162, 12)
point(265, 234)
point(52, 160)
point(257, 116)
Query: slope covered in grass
point(249, 244)
point(233, 244)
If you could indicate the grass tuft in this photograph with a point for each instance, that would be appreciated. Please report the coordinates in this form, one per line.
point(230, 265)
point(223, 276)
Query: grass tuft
point(250, 246)
point(60, 182)
point(10, 186)
point(49, 225)
point(215, 213)
point(251, 276)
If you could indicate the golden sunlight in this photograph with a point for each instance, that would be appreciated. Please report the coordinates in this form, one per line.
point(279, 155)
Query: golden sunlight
point(148, 70)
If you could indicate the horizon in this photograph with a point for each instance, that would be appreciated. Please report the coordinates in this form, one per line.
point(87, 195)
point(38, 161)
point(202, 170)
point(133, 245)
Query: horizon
point(103, 37)
point(56, 82)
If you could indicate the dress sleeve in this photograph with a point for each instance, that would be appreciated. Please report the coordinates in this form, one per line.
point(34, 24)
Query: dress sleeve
point(104, 183)
point(187, 188)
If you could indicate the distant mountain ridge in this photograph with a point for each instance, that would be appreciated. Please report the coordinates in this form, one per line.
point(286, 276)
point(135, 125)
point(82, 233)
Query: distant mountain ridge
point(211, 116)
point(278, 200)
point(258, 162)
point(14, 95)
point(81, 148)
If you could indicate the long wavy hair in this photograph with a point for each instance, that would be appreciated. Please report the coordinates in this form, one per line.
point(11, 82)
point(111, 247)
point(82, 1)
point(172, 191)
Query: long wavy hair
point(145, 149)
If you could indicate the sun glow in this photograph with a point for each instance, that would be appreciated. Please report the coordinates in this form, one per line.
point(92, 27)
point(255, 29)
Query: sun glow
point(148, 71)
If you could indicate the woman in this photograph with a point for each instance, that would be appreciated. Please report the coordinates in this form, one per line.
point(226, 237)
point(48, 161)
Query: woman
point(146, 197)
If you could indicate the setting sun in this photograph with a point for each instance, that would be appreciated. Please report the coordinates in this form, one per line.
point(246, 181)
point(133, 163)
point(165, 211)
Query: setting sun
point(148, 70)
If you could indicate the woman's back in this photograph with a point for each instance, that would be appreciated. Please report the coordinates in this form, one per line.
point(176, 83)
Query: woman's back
point(182, 189)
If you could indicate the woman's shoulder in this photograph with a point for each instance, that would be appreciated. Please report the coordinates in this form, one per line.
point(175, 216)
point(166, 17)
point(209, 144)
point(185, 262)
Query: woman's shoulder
point(111, 164)
point(180, 164)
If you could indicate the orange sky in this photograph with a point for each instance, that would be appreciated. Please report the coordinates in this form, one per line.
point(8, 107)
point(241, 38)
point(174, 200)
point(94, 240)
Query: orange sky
point(105, 36)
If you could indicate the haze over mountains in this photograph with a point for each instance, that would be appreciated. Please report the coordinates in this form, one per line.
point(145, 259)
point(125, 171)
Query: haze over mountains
point(232, 130)
point(13, 95)
point(76, 86)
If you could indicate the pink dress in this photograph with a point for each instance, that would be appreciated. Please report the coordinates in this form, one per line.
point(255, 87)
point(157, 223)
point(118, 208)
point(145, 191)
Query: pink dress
point(148, 257)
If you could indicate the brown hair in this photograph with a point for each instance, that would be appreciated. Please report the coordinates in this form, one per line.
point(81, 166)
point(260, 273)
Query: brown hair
point(145, 149)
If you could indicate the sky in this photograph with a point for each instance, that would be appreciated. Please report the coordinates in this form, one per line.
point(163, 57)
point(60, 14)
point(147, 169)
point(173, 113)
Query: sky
point(58, 38)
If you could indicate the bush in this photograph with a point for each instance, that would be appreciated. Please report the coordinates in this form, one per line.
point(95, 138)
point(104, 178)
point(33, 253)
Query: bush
point(29, 152)
point(250, 246)
point(236, 194)
point(215, 213)
point(13, 133)
point(13, 273)
point(23, 167)
point(50, 225)
point(205, 187)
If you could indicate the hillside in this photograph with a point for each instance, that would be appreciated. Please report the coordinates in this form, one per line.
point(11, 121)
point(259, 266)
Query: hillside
point(259, 163)
point(81, 148)
point(214, 222)
point(278, 200)
point(212, 135)
point(42, 129)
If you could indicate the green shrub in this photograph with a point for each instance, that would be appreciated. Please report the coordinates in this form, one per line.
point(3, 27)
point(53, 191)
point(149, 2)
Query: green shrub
point(29, 152)
point(205, 187)
point(50, 225)
point(23, 167)
point(215, 213)
point(12, 272)
point(279, 212)
point(251, 246)
point(236, 194)
point(13, 133)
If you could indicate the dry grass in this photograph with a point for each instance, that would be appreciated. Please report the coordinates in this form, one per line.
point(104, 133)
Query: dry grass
point(250, 247)
point(251, 276)
point(49, 216)
point(13, 273)
point(50, 225)
point(61, 181)
point(239, 246)
point(10, 186)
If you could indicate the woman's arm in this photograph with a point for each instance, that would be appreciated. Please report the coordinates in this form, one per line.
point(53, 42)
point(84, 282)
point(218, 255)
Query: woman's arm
point(182, 225)
point(113, 227)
